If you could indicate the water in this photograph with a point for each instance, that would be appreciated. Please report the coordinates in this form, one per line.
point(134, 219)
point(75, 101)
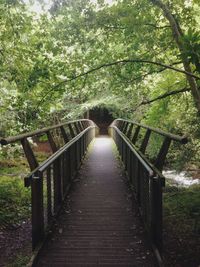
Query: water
point(180, 178)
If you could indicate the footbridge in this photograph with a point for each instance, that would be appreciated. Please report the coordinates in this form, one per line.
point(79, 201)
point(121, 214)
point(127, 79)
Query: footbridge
point(97, 200)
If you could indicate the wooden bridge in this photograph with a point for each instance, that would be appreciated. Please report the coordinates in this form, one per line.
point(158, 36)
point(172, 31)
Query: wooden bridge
point(89, 209)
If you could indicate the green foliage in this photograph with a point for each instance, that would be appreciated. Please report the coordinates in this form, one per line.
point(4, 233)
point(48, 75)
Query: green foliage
point(191, 42)
point(42, 54)
point(14, 201)
point(182, 208)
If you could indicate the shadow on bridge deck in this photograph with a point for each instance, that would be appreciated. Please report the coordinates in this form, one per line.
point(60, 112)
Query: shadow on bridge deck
point(99, 224)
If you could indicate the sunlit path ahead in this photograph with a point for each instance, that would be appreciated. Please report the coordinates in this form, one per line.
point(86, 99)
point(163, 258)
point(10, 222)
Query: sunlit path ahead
point(99, 223)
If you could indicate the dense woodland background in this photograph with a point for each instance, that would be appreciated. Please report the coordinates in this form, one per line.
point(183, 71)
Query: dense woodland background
point(129, 56)
point(140, 59)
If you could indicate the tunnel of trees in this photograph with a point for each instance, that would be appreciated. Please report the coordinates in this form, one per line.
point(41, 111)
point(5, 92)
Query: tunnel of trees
point(67, 59)
point(102, 117)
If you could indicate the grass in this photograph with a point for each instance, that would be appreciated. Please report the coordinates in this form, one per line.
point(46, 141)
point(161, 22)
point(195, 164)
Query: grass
point(14, 201)
point(13, 167)
point(181, 221)
point(183, 203)
point(182, 207)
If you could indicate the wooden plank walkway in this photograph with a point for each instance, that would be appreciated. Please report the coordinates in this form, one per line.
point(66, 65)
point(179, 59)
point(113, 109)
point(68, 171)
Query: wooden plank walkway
point(99, 224)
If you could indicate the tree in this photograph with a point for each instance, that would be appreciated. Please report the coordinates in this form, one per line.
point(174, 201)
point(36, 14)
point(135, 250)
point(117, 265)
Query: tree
point(179, 38)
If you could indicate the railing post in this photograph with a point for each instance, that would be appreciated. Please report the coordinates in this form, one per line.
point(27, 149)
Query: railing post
point(71, 131)
point(57, 184)
point(128, 162)
point(156, 210)
point(135, 136)
point(81, 126)
point(49, 195)
point(130, 131)
point(119, 125)
point(52, 142)
point(159, 163)
point(125, 127)
point(68, 166)
point(145, 141)
point(64, 134)
point(77, 128)
point(37, 210)
point(32, 161)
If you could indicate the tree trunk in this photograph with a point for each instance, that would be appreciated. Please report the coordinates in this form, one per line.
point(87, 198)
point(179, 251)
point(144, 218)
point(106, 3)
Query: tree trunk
point(176, 30)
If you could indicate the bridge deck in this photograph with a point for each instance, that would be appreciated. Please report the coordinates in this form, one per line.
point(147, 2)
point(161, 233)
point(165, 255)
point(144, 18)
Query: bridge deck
point(99, 224)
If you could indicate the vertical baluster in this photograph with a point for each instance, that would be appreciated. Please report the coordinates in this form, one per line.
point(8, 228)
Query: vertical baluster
point(37, 210)
point(57, 184)
point(77, 128)
point(129, 133)
point(125, 127)
point(71, 131)
point(156, 209)
point(81, 125)
point(49, 196)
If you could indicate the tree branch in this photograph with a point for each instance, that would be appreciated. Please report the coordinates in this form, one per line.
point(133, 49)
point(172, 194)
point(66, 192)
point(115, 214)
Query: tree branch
point(116, 27)
point(151, 72)
point(125, 61)
point(167, 94)
point(119, 62)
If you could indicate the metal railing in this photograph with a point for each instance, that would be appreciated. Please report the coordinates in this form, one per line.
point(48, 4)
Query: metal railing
point(50, 181)
point(145, 178)
point(67, 131)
